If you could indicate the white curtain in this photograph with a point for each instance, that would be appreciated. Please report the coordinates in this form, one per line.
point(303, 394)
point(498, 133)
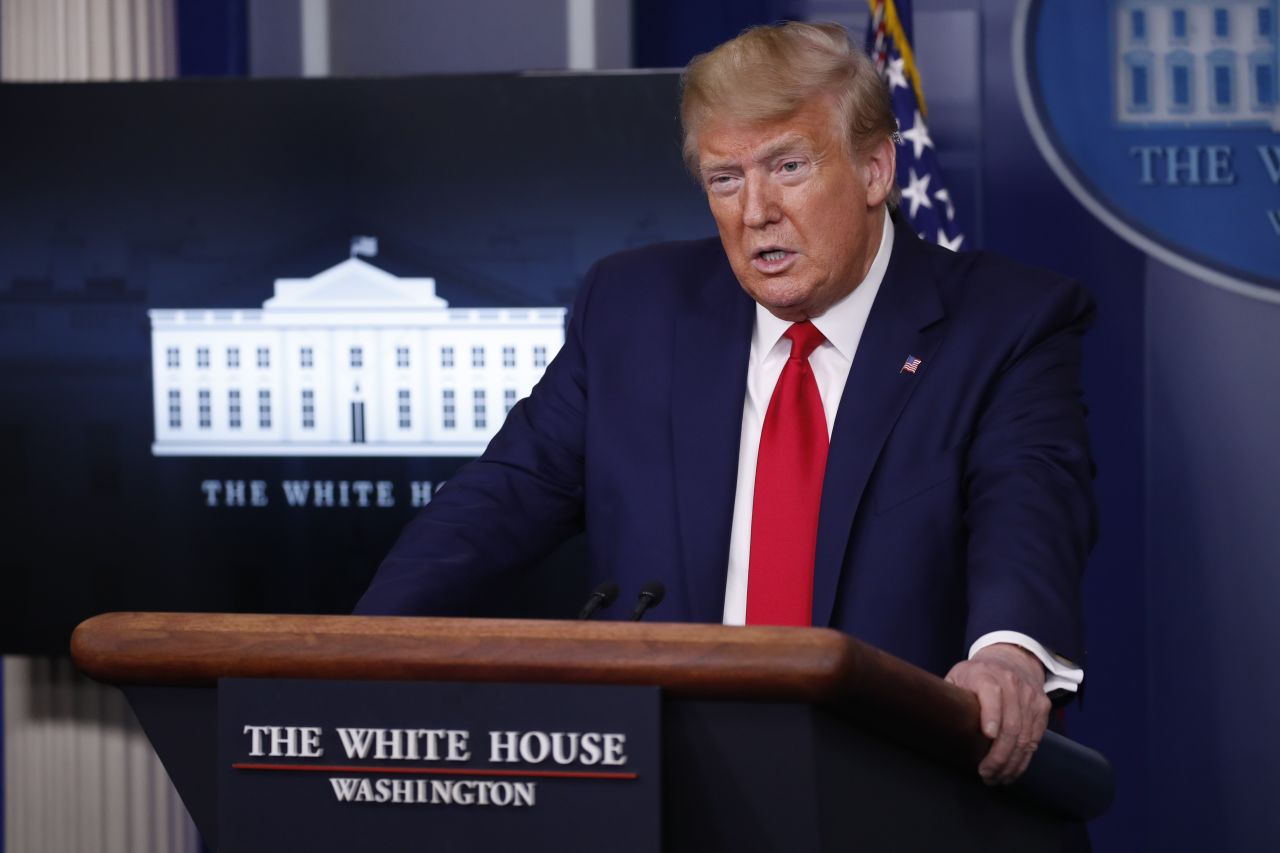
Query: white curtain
point(70, 40)
point(79, 774)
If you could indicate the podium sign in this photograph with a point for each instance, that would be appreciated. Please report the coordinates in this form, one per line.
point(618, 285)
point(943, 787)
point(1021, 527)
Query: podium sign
point(319, 766)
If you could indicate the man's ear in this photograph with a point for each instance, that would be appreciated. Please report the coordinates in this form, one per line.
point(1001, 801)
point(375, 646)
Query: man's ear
point(880, 165)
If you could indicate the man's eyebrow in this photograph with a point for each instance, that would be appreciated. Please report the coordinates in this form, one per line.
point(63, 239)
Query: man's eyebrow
point(791, 142)
point(716, 165)
point(785, 145)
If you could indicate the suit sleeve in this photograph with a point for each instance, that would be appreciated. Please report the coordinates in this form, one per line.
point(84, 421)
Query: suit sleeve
point(504, 511)
point(1030, 512)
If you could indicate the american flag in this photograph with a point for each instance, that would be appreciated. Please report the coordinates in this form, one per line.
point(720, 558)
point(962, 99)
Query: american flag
point(925, 200)
point(367, 246)
point(911, 365)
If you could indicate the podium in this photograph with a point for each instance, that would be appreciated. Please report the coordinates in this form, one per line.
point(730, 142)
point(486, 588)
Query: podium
point(789, 739)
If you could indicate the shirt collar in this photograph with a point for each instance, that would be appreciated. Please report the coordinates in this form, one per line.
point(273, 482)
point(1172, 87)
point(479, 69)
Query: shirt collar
point(843, 322)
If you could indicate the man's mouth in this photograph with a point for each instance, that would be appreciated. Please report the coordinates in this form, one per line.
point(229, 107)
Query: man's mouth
point(773, 260)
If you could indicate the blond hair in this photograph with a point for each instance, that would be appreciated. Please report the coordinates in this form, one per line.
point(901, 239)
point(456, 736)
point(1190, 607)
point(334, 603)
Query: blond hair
point(769, 72)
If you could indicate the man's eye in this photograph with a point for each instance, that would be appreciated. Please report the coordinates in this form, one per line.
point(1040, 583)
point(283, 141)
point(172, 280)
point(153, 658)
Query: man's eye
point(791, 166)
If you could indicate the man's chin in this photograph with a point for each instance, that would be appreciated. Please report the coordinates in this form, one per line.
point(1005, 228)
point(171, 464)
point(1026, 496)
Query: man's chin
point(791, 310)
point(783, 300)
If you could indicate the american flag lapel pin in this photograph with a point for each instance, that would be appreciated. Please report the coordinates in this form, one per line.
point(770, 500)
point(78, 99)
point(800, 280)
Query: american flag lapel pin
point(911, 365)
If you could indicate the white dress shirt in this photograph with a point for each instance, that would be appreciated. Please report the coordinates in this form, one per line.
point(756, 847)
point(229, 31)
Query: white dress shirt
point(842, 325)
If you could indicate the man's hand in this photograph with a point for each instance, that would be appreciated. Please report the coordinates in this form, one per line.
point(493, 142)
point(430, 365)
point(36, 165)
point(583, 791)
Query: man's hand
point(1009, 683)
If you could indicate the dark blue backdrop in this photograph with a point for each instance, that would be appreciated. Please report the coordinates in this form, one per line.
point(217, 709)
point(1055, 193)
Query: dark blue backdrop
point(213, 38)
point(199, 195)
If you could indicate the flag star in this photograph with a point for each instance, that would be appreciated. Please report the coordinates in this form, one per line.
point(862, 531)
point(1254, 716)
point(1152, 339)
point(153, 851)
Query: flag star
point(894, 73)
point(953, 245)
point(917, 192)
point(945, 197)
point(919, 136)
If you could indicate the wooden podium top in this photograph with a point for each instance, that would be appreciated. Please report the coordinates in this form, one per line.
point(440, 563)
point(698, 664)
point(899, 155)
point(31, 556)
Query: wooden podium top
point(812, 665)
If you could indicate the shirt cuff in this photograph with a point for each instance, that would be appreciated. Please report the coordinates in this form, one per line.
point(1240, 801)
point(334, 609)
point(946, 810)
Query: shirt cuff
point(1060, 673)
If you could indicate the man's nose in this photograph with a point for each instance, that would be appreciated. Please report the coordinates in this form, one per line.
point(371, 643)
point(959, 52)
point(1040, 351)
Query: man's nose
point(760, 202)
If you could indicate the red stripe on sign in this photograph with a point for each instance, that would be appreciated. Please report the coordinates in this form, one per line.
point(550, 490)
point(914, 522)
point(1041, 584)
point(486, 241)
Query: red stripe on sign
point(437, 771)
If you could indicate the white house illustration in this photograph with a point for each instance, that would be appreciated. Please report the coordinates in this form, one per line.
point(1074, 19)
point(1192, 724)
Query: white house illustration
point(351, 362)
point(1195, 62)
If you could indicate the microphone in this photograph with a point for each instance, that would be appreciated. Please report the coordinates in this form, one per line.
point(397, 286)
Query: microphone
point(651, 595)
point(602, 596)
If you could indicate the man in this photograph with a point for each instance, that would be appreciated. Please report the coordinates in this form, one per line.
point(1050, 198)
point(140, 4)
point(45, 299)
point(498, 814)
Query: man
point(817, 419)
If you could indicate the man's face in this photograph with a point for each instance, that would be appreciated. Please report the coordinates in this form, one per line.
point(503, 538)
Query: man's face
point(799, 217)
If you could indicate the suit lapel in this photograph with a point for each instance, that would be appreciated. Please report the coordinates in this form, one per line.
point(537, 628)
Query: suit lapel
point(712, 344)
point(904, 321)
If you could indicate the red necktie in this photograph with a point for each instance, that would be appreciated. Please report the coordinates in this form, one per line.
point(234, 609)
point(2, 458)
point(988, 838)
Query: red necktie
point(789, 470)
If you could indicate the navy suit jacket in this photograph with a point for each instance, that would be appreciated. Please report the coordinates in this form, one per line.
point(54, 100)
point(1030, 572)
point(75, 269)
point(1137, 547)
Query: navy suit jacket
point(957, 500)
